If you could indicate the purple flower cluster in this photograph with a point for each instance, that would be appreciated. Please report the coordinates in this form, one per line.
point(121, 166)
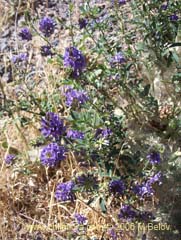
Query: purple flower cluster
point(22, 57)
point(9, 158)
point(117, 59)
point(117, 187)
point(52, 126)
point(64, 191)
point(73, 95)
point(47, 26)
point(145, 189)
point(173, 17)
point(46, 51)
point(74, 59)
point(103, 132)
point(154, 158)
point(164, 6)
point(52, 154)
point(155, 178)
point(112, 234)
point(74, 134)
point(25, 34)
point(87, 181)
point(127, 213)
point(81, 219)
point(82, 23)
point(122, 2)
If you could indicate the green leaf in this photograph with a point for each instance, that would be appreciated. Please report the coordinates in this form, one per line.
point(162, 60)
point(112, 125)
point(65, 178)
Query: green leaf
point(144, 7)
point(102, 205)
point(140, 46)
point(146, 90)
point(4, 144)
point(175, 57)
point(97, 72)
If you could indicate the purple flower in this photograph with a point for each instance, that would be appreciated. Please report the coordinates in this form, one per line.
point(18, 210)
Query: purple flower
point(155, 178)
point(74, 134)
point(173, 17)
point(64, 191)
point(25, 34)
point(122, 2)
point(154, 157)
point(52, 154)
point(143, 190)
point(103, 132)
point(9, 158)
point(117, 187)
point(80, 218)
point(74, 59)
point(46, 51)
point(47, 26)
point(127, 213)
point(112, 233)
point(164, 7)
point(22, 57)
point(82, 23)
point(87, 181)
point(117, 59)
point(52, 126)
point(73, 95)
